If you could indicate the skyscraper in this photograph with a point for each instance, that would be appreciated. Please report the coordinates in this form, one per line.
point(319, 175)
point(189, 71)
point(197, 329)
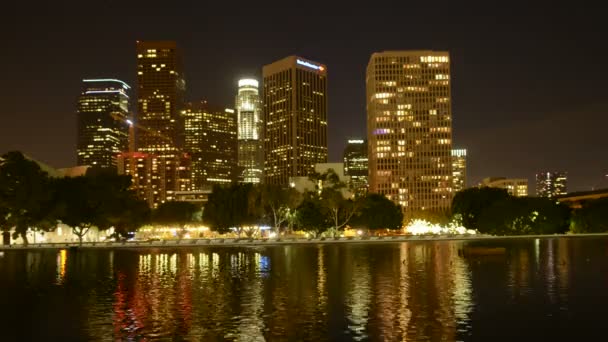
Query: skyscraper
point(103, 107)
point(551, 184)
point(409, 128)
point(459, 169)
point(211, 141)
point(356, 165)
point(295, 114)
point(250, 132)
point(161, 88)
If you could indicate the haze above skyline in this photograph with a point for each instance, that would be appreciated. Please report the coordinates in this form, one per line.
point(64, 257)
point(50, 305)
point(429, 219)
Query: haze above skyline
point(528, 86)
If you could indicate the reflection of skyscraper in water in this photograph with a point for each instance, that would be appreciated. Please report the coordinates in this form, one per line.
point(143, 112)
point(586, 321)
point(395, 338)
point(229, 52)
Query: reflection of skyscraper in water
point(563, 267)
point(405, 314)
point(431, 297)
point(251, 326)
point(359, 295)
point(462, 293)
point(519, 272)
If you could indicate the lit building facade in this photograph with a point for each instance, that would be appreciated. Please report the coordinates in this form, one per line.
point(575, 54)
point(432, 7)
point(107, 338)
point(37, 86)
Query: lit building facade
point(295, 115)
point(161, 88)
point(250, 132)
point(409, 129)
point(517, 187)
point(211, 141)
point(459, 169)
point(551, 184)
point(356, 165)
point(103, 107)
point(147, 175)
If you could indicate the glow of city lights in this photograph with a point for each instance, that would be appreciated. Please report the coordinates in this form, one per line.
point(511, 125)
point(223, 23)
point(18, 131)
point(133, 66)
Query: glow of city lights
point(358, 141)
point(423, 227)
point(130, 122)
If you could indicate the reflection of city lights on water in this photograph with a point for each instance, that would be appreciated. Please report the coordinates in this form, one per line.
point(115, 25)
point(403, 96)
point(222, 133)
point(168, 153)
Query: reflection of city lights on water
point(421, 227)
point(62, 259)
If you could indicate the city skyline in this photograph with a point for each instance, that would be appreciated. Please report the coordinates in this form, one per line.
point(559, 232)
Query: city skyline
point(501, 100)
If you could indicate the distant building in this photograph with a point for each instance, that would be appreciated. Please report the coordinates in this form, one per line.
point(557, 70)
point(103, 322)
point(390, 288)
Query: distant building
point(409, 129)
point(199, 197)
point(147, 175)
point(75, 171)
point(459, 169)
point(303, 184)
point(356, 165)
point(250, 132)
point(211, 141)
point(517, 187)
point(102, 131)
point(160, 88)
point(551, 184)
point(295, 114)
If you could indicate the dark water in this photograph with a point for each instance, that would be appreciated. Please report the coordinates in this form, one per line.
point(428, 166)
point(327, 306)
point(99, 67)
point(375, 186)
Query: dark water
point(538, 290)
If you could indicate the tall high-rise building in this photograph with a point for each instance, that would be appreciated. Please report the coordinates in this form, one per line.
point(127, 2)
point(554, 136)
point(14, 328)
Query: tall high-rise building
point(161, 88)
point(356, 165)
point(517, 187)
point(551, 184)
point(295, 115)
point(211, 141)
point(250, 132)
point(459, 169)
point(409, 128)
point(103, 107)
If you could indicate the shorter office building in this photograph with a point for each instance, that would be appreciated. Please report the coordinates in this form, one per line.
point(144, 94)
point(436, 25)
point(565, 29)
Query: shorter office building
point(459, 169)
point(102, 132)
point(304, 184)
point(211, 142)
point(517, 187)
point(147, 173)
point(551, 184)
point(356, 165)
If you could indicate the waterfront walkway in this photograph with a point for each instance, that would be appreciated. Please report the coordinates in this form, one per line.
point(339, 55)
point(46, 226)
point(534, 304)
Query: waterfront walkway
point(232, 242)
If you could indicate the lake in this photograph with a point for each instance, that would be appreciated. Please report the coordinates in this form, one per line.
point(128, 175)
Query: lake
point(548, 289)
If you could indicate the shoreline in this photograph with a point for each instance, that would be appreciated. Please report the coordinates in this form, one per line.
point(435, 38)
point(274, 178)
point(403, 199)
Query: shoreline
point(247, 242)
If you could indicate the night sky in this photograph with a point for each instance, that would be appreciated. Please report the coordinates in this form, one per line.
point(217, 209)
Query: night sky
point(529, 85)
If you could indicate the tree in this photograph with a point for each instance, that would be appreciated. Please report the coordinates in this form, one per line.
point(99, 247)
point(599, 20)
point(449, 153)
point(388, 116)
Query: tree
point(468, 204)
point(279, 204)
point(333, 194)
point(4, 225)
point(216, 213)
point(100, 199)
point(236, 206)
point(26, 196)
point(523, 216)
point(338, 209)
point(135, 213)
point(378, 212)
point(77, 207)
point(310, 217)
point(592, 217)
point(175, 213)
